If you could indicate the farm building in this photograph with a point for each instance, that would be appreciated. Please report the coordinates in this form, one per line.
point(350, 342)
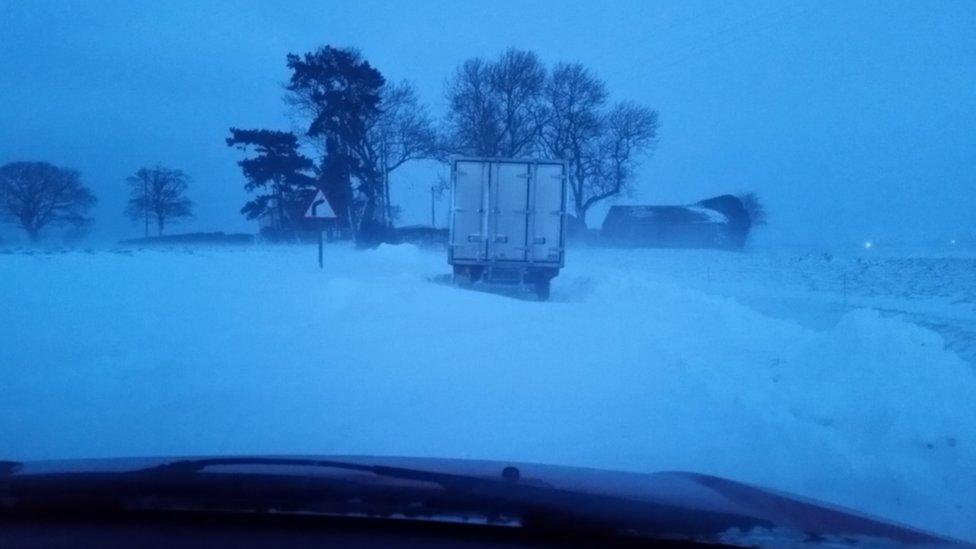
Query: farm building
point(719, 222)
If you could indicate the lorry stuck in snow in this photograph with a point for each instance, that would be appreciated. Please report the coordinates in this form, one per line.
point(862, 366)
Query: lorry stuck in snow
point(508, 221)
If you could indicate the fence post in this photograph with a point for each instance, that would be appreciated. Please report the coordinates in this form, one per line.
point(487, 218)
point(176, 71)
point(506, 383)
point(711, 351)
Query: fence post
point(845, 290)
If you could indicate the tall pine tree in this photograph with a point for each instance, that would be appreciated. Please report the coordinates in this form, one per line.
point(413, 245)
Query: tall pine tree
point(337, 93)
point(279, 173)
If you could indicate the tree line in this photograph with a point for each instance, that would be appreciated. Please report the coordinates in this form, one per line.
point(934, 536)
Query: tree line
point(38, 195)
point(356, 129)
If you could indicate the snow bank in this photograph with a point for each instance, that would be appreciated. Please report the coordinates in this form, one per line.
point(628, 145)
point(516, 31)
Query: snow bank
point(258, 351)
point(402, 253)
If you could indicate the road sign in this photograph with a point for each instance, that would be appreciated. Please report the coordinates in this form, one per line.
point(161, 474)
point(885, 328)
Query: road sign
point(320, 208)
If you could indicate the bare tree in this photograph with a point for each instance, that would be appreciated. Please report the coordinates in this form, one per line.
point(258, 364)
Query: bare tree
point(629, 131)
point(573, 126)
point(474, 114)
point(402, 131)
point(518, 78)
point(754, 207)
point(158, 193)
point(602, 147)
point(35, 195)
point(494, 107)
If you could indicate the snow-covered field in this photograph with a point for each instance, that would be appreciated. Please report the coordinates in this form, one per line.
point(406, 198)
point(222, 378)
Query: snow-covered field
point(846, 379)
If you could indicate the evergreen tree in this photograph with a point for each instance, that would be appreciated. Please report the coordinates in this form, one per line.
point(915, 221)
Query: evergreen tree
point(280, 175)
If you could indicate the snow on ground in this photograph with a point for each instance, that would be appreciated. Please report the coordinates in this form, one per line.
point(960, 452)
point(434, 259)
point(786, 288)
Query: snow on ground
point(731, 364)
point(934, 289)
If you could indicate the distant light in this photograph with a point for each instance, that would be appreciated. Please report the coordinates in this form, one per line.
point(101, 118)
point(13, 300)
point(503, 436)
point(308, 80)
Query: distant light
point(867, 245)
point(953, 242)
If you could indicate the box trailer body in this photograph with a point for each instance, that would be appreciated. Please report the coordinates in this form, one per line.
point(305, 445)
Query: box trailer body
point(508, 221)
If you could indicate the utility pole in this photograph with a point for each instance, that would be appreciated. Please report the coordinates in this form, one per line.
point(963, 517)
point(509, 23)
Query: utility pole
point(432, 218)
point(386, 196)
point(386, 185)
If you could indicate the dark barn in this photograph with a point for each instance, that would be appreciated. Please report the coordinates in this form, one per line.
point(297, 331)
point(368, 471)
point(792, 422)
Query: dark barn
point(720, 222)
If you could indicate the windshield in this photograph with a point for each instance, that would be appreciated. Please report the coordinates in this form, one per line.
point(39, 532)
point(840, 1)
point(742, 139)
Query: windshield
point(736, 239)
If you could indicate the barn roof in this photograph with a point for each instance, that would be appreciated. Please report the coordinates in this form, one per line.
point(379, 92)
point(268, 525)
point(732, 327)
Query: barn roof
point(668, 214)
point(723, 209)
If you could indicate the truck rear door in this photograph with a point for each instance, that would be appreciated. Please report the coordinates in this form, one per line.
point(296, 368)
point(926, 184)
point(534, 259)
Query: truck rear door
point(548, 208)
point(508, 211)
point(468, 230)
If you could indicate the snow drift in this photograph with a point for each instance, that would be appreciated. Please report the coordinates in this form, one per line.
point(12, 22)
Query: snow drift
point(257, 351)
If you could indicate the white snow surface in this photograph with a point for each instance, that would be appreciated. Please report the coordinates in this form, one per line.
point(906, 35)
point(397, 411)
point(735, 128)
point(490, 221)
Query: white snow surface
point(728, 364)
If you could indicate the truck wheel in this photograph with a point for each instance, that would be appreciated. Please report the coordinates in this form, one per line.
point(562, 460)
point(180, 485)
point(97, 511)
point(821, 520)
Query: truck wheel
point(462, 277)
point(542, 290)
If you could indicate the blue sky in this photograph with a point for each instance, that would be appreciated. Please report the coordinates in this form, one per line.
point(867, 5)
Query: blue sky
point(854, 120)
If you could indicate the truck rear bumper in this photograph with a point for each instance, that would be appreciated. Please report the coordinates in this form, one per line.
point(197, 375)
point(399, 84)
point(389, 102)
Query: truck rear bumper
point(522, 275)
point(499, 272)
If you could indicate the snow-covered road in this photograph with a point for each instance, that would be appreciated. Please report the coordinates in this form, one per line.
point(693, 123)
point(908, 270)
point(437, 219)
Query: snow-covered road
point(639, 363)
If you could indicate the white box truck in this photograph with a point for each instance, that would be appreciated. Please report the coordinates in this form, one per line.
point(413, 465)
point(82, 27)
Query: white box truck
point(508, 221)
